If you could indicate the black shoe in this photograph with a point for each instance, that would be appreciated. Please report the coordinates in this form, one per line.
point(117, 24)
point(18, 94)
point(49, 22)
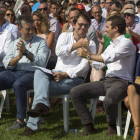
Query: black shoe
point(39, 110)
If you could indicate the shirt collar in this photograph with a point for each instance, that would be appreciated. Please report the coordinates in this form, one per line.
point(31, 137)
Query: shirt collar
point(29, 41)
point(5, 24)
point(133, 26)
point(117, 40)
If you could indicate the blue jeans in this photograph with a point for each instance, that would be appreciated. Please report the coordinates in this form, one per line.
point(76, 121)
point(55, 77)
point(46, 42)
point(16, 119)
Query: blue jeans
point(45, 87)
point(20, 81)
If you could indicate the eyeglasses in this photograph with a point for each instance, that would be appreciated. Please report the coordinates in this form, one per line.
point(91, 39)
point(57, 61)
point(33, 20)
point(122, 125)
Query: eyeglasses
point(96, 2)
point(128, 15)
point(44, 9)
point(98, 12)
point(9, 15)
point(72, 4)
point(85, 25)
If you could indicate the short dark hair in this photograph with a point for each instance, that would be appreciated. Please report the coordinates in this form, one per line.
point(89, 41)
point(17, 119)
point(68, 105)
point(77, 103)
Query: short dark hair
point(53, 3)
point(118, 21)
point(74, 9)
point(26, 4)
point(84, 16)
point(138, 3)
point(24, 19)
point(84, 1)
point(117, 4)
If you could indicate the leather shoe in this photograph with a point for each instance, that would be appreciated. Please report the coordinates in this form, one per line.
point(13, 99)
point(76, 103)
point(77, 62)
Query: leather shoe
point(88, 132)
point(112, 130)
point(27, 132)
point(39, 110)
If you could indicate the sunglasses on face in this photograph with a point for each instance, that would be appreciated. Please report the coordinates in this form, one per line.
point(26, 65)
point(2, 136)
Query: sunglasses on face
point(9, 15)
point(44, 9)
point(72, 4)
point(85, 25)
point(96, 2)
point(128, 15)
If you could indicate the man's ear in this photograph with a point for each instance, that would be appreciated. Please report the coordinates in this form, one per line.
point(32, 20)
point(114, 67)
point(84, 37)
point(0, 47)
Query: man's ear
point(116, 28)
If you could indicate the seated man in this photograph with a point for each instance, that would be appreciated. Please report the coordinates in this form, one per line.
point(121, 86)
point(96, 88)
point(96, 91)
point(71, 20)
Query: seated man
point(118, 56)
point(23, 53)
point(5, 39)
point(69, 72)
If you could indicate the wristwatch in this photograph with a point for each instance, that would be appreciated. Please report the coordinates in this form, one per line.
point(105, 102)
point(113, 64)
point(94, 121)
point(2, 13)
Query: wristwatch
point(89, 57)
point(26, 52)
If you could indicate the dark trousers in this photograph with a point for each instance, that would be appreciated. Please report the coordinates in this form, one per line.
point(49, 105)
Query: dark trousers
point(20, 81)
point(114, 89)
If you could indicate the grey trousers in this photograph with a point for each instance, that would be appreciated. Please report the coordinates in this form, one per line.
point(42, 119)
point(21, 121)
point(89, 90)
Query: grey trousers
point(114, 89)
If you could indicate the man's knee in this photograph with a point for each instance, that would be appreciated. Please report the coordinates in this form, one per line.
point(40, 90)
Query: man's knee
point(17, 84)
point(108, 102)
point(73, 92)
point(131, 89)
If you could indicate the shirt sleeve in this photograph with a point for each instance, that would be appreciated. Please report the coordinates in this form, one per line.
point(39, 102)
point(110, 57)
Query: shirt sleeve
point(97, 65)
point(62, 47)
point(127, 48)
point(79, 70)
point(9, 56)
point(15, 32)
point(8, 40)
point(41, 57)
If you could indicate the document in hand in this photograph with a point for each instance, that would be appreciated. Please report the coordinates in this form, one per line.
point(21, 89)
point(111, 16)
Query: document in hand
point(44, 69)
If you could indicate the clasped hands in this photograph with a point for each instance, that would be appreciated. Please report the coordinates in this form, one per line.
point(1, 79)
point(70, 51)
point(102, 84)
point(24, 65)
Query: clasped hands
point(21, 48)
point(59, 76)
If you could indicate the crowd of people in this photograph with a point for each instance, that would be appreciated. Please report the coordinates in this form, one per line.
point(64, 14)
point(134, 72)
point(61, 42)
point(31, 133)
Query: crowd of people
point(90, 41)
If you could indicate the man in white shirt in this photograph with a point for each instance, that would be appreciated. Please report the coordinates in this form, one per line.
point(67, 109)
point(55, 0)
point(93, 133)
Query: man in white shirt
point(107, 9)
point(120, 60)
point(5, 39)
point(69, 72)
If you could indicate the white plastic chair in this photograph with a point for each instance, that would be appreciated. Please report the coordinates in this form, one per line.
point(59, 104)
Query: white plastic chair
point(5, 98)
point(127, 124)
point(118, 121)
point(65, 108)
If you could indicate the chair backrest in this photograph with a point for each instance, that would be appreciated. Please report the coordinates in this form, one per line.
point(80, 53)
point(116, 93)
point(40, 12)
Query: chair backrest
point(48, 56)
point(137, 68)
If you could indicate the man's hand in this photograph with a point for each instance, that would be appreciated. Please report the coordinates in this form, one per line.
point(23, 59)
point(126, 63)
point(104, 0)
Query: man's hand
point(84, 43)
point(100, 38)
point(60, 76)
point(21, 46)
point(20, 55)
point(83, 52)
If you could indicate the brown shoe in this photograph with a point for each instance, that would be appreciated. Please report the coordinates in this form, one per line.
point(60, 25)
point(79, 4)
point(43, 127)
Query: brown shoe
point(112, 130)
point(27, 132)
point(54, 102)
point(88, 132)
point(39, 110)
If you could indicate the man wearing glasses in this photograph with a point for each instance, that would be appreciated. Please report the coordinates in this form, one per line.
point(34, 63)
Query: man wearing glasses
point(72, 3)
point(69, 72)
point(96, 2)
point(54, 24)
point(134, 28)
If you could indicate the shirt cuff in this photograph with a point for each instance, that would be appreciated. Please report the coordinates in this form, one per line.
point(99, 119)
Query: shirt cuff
point(97, 65)
point(71, 74)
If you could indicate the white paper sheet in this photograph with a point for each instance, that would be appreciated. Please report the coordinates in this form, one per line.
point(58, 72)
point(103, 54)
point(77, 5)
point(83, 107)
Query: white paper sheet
point(44, 69)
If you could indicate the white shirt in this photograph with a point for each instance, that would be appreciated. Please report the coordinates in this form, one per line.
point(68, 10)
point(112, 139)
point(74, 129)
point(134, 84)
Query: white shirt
point(119, 58)
point(104, 13)
point(73, 65)
point(95, 24)
point(6, 38)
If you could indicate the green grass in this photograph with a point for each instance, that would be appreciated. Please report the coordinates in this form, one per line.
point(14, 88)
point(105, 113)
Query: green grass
point(53, 127)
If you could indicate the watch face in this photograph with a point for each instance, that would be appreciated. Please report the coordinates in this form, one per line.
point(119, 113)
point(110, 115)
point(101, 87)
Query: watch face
point(89, 56)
